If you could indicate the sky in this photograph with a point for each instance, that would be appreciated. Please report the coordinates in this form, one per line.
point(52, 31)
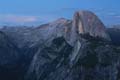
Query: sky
point(36, 12)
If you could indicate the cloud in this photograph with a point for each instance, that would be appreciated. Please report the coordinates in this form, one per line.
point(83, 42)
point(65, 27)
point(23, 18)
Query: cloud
point(117, 16)
point(69, 9)
point(13, 19)
point(113, 14)
point(17, 18)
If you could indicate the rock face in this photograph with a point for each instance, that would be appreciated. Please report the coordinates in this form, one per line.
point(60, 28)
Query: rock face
point(87, 22)
point(114, 35)
point(8, 50)
point(54, 62)
point(76, 53)
point(41, 34)
point(31, 39)
point(9, 59)
point(77, 49)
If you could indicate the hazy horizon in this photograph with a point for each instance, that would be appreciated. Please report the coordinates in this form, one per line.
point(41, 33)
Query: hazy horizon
point(37, 12)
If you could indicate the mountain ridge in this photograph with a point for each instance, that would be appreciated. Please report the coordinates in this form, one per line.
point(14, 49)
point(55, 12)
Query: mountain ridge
point(78, 49)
